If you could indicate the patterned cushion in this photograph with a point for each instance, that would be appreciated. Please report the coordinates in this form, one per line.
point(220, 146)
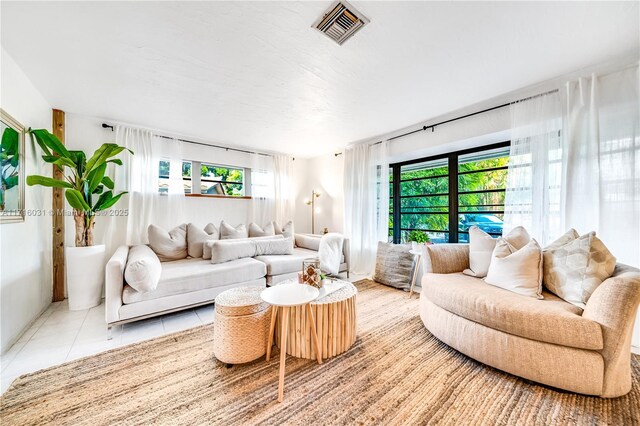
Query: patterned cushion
point(574, 270)
point(394, 265)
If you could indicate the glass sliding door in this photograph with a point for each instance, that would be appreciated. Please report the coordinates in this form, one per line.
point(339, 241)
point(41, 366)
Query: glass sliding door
point(447, 194)
point(424, 199)
point(482, 181)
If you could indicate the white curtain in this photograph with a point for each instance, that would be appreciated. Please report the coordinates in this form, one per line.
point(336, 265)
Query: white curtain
point(366, 189)
point(602, 141)
point(533, 196)
point(146, 204)
point(589, 177)
point(283, 192)
point(262, 189)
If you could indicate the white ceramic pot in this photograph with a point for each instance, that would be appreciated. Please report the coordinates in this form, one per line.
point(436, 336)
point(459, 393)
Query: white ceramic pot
point(85, 276)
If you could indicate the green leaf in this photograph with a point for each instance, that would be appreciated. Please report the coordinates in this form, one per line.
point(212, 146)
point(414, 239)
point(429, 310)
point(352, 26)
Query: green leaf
point(98, 190)
point(106, 196)
point(101, 155)
point(80, 160)
point(109, 202)
point(11, 181)
point(96, 176)
point(116, 161)
point(76, 200)
point(64, 161)
point(108, 182)
point(47, 181)
point(43, 137)
point(10, 139)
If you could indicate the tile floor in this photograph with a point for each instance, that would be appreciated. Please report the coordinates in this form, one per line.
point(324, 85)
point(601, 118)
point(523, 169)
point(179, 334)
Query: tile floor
point(60, 335)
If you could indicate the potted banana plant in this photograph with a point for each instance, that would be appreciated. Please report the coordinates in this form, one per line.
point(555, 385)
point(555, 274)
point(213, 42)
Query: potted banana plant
point(84, 179)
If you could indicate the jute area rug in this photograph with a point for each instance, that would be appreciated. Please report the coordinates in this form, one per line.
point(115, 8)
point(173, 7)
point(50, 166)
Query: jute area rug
point(396, 373)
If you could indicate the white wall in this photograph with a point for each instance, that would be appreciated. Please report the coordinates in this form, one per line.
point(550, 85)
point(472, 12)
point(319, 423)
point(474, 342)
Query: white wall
point(25, 247)
point(325, 175)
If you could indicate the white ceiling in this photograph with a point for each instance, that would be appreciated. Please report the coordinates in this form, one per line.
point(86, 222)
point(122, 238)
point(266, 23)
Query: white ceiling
point(255, 74)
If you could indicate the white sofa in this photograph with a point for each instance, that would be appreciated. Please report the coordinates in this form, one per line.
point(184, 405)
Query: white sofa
point(192, 282)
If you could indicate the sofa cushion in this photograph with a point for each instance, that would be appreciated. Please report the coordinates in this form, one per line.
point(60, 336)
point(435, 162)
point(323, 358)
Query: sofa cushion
point(225, 251)
point(286, 231)
point(206, 248)
point(574, 266)
point(550, 320)
point(516, 270)
point(481, 247)
point(186, 275)
point(196, 238)
point(256, 231)
point(286, 264)
point(143, 269)
point(228, 232)
point(170, 245)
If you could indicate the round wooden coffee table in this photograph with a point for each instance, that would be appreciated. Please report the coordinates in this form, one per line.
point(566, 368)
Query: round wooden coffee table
point(335, 322)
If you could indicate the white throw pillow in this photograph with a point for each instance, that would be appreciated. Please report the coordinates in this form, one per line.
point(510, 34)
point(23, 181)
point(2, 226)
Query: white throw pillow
point(574, 266)
point(143, 269)
point(196, 238)
point(228, 232)
point(516, 270)
point(287, 231)
point(257, 231)
point(170, 245)
point(481, 247)
point(226, 251)
point(206, 248)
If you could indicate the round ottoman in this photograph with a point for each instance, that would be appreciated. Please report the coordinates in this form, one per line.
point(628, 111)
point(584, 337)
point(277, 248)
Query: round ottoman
point(240, 325)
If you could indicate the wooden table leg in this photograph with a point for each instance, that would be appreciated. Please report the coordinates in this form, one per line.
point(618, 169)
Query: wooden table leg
point(415, 275)
point(274, 314)
point(314, 332)
point(284, 320)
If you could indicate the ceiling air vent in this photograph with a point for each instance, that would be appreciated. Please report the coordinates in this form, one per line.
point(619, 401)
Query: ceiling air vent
point(340, 22)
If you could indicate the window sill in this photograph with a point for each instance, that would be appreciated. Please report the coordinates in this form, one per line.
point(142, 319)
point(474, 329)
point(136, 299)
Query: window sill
point(227, 197)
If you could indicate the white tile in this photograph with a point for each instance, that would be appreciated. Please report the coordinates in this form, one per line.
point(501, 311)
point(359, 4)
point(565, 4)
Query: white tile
point(205, 313)
point(37, 360)
point(142, 330)
point(181, 321)
point(11, 354)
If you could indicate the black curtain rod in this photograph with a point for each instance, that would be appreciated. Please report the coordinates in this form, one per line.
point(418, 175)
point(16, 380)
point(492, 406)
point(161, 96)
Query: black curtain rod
point(433, 126)
point(226, 148)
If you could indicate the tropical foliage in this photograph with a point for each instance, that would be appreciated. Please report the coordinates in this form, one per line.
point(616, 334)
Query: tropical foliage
point(419, 237)
point(425, 194)
point(213, 179)
point(84, 180)
point(10, 160)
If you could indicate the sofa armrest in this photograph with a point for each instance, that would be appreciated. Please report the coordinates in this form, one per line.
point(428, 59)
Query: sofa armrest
point(308, 241)
point(613, 305)
point(114, 283)
point(445, 258)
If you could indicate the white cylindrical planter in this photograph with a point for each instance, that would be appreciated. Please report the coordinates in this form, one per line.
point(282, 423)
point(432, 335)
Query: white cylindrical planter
point(85, 276)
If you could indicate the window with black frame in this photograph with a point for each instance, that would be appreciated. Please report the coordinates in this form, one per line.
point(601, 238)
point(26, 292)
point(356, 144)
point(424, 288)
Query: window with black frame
point(445, 195)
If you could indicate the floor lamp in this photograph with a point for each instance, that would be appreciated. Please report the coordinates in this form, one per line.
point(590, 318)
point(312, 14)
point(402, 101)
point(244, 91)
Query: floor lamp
point(312, 203)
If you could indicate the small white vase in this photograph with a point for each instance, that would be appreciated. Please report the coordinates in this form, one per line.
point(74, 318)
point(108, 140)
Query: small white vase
point(85, 276)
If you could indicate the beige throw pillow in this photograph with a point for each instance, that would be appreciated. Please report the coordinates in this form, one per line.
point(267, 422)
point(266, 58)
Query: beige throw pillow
point(574, 266)
point(516, 270)
point(206, 248)
point(481, 247)
point(196, 238)
point(143, 269)
point(228, 232)
point(257, 231)
point(287, 230)
point(226, 251)
point(170, 245)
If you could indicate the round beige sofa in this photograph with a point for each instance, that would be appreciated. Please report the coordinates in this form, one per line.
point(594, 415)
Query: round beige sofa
point(549, 341)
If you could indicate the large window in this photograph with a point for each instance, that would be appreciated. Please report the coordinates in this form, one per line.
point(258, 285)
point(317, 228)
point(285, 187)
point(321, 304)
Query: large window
point(220, 180)
point(163, 176)
point(212, 179)
point(445, 195)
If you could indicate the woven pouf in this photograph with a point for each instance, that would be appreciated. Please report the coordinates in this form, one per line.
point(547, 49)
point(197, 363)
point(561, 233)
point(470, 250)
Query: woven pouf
point(240, 325)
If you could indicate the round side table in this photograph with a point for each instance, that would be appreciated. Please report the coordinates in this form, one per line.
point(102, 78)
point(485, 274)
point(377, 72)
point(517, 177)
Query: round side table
point(283, 298)
point(334, 318)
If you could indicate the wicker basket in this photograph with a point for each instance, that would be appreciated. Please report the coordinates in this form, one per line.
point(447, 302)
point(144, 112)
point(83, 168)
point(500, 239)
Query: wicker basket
point(240, 325)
